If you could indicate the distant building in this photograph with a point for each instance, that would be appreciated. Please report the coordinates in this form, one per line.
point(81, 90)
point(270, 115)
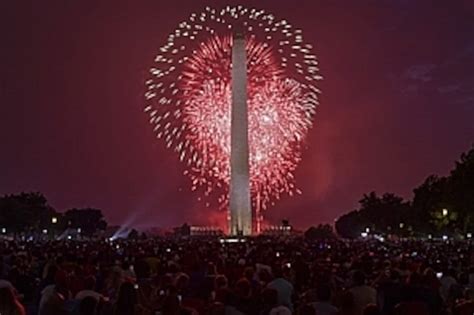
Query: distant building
point(277, 230)
point(284, 228)
point(206, 231)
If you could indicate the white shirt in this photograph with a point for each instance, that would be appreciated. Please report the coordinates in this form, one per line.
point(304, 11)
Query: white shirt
point(46, 294)
point(285, 291)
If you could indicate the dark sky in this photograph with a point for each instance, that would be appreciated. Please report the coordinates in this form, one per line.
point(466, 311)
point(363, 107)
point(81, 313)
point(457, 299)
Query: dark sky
point(397, 104)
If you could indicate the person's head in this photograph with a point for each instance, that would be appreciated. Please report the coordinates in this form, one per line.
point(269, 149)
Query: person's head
point(173, 267)
point(88, 306)
point(171, 305)
point(358, 278)
point(306, 309)
point(429, 275)
point(211, 269)
point(166, 280)
point(371, 309)
point(51, 273)
point(323, 293)
point(220, 282)
point(248, 273)
point(89, 283)
point(264, 276)
point(394, 275)
point(182, 281)
point(243, 288)
point(387, 264)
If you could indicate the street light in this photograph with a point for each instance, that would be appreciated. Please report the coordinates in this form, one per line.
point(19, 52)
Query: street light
point(445, 212)
point(401, 225)
point(54, 220)
point(469, 235)
point(445, 237)
point(45, 231)
point(367, 230)
point(4, 231)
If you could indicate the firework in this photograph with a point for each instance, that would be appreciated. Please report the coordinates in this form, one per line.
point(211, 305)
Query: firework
point(189, 99)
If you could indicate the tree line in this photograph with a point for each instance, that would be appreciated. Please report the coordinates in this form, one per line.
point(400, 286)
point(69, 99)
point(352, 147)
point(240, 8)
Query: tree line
point(30, 213)
point(441, 205)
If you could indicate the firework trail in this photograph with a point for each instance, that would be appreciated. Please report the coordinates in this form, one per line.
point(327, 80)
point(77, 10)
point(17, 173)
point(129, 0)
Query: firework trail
point(189, 99)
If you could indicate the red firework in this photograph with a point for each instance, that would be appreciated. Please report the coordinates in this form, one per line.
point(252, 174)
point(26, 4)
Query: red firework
point(191, 101)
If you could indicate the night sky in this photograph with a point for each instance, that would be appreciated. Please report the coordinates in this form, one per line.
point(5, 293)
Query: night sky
point(397, 104)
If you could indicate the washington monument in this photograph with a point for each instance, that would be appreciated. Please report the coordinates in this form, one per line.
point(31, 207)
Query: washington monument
point(239, 199)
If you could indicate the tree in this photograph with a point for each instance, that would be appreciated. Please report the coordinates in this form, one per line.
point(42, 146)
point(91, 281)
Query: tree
point(461, 190)
point(322, 231)
point(25, 212)
point(133, 235)
point(428, 200)
point(454, 193)
point(444, 220)
point(89, 220)
point(350, 225)
point(431, 194)
point(386, 214)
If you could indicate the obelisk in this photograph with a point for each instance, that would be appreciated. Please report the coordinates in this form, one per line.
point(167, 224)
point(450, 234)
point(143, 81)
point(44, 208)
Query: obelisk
point(239, 199)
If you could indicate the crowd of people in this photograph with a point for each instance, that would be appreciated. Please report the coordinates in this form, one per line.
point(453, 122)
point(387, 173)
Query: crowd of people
point(261, 275)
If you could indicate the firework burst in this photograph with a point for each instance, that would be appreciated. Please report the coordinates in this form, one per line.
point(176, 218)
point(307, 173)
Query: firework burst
point(189, 99)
